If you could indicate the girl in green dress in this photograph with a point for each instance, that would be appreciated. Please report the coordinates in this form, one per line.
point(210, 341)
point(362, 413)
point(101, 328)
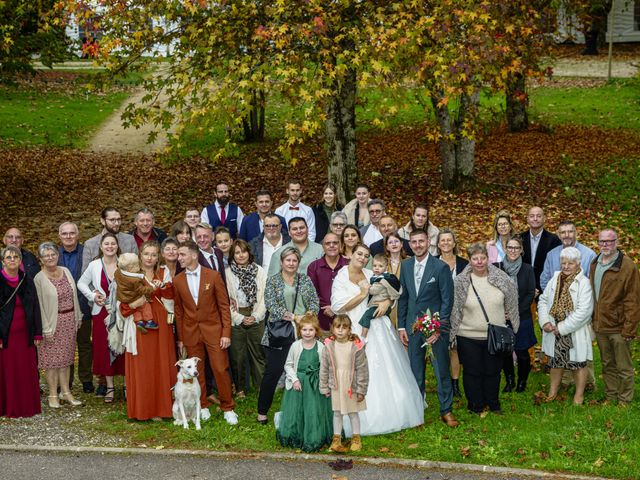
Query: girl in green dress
point(305, 414)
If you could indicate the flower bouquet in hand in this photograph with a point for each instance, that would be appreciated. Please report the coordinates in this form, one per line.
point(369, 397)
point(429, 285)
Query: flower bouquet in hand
point(427, 324)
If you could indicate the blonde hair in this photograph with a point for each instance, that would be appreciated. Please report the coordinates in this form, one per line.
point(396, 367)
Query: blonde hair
point(127, 260)
point(342, 320)
point(309, 318)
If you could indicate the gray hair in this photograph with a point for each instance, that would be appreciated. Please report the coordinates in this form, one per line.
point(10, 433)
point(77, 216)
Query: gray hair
point(289, 251)
point(68, 223)
point(10, 248)
point(571, 254)
point(475, 248)
point(340, 215)
point(146, 211)
point(45, 246)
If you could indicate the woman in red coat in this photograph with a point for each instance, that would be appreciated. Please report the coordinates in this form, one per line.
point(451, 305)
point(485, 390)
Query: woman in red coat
point(20, 332)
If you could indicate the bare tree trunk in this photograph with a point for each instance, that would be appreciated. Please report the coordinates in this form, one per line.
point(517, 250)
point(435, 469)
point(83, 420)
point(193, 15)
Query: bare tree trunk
point(457, 152)
point(341, 137)
point(253, 124)
point(517, 101)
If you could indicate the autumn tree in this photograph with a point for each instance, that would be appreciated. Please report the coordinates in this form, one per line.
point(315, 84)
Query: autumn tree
point(25, 34)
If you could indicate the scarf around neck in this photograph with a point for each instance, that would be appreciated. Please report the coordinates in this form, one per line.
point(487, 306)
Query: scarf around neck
point(246, 275)
point(512, 268)
point(562, 302)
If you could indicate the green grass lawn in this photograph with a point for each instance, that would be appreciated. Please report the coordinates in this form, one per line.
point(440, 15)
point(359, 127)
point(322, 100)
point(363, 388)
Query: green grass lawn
point(613, 105)
point(591, 439)
point(53, 118)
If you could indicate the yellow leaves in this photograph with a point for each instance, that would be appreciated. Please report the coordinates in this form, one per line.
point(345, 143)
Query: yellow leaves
point(509, 29)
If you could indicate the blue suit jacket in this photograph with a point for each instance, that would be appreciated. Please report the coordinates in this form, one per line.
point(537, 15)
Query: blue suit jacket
point(250, 227)
point(85, 308)
point(435, 293)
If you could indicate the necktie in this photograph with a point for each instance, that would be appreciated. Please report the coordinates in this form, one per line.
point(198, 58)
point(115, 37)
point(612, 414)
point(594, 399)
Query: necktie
point(223, 216)
point(212, 261)
point(418, 274)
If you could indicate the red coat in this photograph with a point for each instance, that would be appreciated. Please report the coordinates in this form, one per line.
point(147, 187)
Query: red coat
point(209, 320)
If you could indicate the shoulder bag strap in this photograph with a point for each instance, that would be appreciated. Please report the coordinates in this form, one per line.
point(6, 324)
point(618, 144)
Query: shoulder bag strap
point(484, 312)
point(13, 294)
point(295, 299)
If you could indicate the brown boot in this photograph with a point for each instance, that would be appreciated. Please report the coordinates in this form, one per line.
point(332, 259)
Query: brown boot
point(356, 443)
point(336, 445)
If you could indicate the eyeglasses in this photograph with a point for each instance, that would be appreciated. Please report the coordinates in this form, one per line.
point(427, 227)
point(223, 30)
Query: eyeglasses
point(332, 243)
point(271, 225)
point(11, 257)
point(338, 225)
point(513, 249)
point(68, 234)
point(607, 242)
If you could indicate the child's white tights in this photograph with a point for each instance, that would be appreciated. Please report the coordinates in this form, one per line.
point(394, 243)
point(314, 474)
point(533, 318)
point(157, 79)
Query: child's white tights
point(354, 418)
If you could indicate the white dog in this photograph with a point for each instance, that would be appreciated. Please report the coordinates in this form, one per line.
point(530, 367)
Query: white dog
point(186, 405)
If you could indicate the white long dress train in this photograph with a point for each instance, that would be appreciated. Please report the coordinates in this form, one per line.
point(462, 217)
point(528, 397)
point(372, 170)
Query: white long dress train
point(394, 401)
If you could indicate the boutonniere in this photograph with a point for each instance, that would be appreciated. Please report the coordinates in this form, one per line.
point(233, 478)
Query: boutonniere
point(206, 286)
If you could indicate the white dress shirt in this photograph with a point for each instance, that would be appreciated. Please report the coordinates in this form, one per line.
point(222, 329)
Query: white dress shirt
point(371, 236)
point(267, 252)
point(534, 242)
point(212, 259)
point(418, 271)
point(193, 280)
point(289, 211)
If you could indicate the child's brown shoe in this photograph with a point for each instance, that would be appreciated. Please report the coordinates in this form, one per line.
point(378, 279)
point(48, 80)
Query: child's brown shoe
point(356, 443)
point(336, 445)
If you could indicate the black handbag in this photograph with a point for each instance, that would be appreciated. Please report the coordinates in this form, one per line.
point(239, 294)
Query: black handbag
point(500, 339)
point(282, 332)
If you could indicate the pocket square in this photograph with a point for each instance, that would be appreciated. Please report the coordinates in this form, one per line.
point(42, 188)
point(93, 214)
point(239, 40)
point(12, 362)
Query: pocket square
point(432, 280)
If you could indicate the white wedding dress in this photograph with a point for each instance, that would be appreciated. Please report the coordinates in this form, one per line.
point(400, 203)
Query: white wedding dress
point(393, 399)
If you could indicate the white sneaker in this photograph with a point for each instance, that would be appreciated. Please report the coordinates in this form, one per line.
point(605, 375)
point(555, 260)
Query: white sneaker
point(231, 417)
point(205, 414)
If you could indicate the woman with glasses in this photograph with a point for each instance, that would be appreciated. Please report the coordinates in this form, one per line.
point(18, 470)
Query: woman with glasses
point(324, 210)
point(20, 333)
point(502, 232)
point(61, 319)
point(338, 222)
point(522, 274)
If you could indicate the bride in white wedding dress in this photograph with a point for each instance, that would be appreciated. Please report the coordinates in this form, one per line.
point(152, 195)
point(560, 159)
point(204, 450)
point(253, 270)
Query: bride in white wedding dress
point(393, 399)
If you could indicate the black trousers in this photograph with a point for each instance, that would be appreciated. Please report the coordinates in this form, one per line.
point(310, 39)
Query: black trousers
point(524, 365)
point(480, 374)
point(275, 360)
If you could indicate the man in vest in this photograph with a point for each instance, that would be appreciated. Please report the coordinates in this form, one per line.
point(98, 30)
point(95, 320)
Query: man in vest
point(222, 212)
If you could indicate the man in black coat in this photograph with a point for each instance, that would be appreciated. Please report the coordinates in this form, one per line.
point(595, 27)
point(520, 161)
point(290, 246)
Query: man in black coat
point(536, 243)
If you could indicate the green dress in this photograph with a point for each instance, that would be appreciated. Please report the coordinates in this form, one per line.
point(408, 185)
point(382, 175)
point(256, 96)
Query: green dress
point(306, 416)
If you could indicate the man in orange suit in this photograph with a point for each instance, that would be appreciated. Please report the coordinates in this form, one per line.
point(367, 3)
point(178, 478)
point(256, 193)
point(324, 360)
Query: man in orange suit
point(203, 322)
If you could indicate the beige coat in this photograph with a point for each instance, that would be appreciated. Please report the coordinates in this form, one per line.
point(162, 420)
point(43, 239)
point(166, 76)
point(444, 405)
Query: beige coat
point(48, 298)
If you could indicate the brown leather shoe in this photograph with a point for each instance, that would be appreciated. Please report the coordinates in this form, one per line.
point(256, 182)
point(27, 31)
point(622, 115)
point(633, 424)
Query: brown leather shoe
point(449, 419)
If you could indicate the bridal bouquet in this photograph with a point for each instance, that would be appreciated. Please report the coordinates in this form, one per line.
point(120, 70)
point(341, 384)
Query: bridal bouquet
point(427, 324)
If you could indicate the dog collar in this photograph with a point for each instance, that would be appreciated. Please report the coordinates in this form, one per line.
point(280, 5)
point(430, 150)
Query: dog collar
point(185, 380)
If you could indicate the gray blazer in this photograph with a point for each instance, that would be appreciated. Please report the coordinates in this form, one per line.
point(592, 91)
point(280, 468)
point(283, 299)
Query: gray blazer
point(126, 243)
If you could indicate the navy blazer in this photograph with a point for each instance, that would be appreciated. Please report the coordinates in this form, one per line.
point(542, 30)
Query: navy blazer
point(461, 263)
point(257, 248)
point(250, 227)
point(85, 308)
point(30, 263)
point(547, 242)
point(435, 293)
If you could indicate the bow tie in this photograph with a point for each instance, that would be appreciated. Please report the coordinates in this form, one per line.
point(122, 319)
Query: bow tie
point(294, 208)
point(194, 273)
point(187, 380)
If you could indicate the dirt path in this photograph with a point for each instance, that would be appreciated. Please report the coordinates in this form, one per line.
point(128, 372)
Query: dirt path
point(112, 137)
point(590, 67)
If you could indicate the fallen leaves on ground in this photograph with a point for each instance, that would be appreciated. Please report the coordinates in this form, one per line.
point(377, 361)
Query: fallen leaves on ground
point(41, 187)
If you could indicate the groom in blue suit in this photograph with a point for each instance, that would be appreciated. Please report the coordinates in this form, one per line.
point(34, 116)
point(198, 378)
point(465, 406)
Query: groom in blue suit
point(427, 284)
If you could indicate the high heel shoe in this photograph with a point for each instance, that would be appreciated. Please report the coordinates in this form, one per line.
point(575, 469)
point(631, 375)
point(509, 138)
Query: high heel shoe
point(53, 401)
point(109, 394)
point(68, 397)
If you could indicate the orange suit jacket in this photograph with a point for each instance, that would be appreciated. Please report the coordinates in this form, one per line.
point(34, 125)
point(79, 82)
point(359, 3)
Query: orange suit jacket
point(209, 320)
